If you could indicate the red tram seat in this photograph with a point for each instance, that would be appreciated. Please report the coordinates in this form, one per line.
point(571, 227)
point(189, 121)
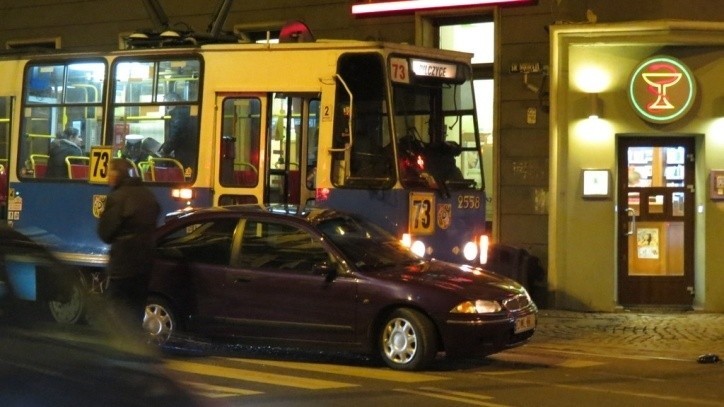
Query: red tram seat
point(166, 170)
point(78, 167)
point(245, 174)
point(144, 170)
point(39, 162)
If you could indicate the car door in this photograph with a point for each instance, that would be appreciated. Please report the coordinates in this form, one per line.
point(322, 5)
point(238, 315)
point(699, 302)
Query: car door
point(190, 271)
point(275, 293)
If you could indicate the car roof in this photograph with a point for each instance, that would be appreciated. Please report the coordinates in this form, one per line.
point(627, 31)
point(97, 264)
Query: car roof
point(309, 214)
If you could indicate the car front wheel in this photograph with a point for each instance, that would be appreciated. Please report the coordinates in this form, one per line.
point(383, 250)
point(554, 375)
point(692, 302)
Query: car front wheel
point(159, 320)
point(408, 340)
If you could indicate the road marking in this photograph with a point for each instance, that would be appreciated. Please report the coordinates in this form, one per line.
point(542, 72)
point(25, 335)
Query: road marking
point(544, 360)
point(506, 372)
point(215, 392)
point(553, 348)
point(459, 396)
point(578, 363)
point(255, 376)
point(365, 372)
point(610, 391)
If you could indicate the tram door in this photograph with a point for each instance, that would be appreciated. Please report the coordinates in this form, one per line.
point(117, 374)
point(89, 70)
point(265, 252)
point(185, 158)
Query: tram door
point(656, 221)
point(5, 112)
point(293, 121)
point(241, 121)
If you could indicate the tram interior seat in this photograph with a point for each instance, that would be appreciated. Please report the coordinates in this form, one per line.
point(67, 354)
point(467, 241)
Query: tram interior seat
point(166, 170)
point(144, 170)
point(39, 162)
point(245, 174)
point(78, 166)
point(294, 185)
point(137, 173)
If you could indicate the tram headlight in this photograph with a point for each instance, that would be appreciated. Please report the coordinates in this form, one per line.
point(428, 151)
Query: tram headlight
point(470, 251)
point(182, 193)
point(484, 243)
point(418, 248)
point(406, 240)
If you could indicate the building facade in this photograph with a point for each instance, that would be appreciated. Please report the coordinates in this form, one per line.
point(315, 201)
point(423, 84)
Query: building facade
point(558, 182)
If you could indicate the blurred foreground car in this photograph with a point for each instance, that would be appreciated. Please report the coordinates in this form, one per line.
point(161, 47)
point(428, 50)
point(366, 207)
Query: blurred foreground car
point(43, 363)
point(326, 279)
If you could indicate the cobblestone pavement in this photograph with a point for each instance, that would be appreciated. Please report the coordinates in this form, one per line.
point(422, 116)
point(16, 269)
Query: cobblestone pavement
point(683, 335)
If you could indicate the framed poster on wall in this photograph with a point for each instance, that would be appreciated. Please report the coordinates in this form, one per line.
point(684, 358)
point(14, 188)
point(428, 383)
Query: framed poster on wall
point(596, 184)
point(716, 189)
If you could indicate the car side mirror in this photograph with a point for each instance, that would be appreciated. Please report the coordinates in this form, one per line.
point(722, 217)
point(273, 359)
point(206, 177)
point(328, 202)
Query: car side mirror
point(329, 271)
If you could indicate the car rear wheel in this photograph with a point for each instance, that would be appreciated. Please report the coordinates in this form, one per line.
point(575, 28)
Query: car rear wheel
point(159, 320)
point(408, 340)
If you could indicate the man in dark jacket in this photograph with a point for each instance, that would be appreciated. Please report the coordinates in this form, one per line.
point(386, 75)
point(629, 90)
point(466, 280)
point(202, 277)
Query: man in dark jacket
point(127, 224)
point(180, 140)
point(66, 144)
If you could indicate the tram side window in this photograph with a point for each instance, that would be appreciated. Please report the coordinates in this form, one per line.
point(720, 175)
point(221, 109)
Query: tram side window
point(364, 159)
point(240, 132)
point(155, 108)
point(62, 105)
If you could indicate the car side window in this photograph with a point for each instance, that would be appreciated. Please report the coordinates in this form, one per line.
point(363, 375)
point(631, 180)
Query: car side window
point(276, 246)
point(204, 242)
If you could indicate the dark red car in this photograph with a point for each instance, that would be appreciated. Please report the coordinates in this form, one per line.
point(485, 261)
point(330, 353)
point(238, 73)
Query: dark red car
point(317, 277)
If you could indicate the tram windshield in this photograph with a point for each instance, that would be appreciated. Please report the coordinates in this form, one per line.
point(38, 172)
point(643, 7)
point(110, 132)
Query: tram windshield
point(429, 139)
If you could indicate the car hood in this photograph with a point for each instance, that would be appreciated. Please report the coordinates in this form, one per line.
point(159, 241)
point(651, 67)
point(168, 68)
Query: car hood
point(463, 279)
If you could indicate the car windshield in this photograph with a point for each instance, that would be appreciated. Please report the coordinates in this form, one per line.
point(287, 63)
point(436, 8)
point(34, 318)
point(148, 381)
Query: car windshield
point(366, 245)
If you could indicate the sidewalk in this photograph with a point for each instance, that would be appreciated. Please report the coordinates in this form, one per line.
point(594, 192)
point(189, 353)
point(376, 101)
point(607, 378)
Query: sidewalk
point(684, 335)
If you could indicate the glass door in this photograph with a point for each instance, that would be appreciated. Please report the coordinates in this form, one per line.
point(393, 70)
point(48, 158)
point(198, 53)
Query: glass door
point(292, 148)
point(656, 218)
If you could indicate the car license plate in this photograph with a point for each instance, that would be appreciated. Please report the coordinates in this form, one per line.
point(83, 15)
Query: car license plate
point(525, 323)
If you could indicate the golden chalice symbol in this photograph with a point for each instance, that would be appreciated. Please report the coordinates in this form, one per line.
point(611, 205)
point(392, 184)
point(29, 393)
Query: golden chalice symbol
point(662, 81)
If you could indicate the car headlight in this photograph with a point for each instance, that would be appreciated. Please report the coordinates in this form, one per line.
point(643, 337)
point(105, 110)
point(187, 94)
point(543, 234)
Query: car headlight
point(477, 307)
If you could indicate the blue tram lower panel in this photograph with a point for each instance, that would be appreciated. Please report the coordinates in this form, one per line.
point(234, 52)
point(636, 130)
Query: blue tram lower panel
point(456, 220)
point(64, 216)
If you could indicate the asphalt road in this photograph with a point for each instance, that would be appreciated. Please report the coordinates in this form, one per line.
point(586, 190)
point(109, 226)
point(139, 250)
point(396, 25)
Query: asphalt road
point(575, 359)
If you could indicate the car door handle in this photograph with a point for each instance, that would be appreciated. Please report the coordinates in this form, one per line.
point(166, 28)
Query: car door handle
point(240, 280)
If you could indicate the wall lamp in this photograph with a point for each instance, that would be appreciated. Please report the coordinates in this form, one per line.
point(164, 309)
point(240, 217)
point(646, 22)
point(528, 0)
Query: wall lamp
point(595, 106)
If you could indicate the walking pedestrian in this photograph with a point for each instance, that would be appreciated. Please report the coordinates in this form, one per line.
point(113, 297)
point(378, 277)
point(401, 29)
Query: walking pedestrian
point(127, 224)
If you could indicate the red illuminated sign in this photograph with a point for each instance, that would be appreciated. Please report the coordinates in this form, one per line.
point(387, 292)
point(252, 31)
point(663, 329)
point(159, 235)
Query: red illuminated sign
point(415, 5)
point(662, 89)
